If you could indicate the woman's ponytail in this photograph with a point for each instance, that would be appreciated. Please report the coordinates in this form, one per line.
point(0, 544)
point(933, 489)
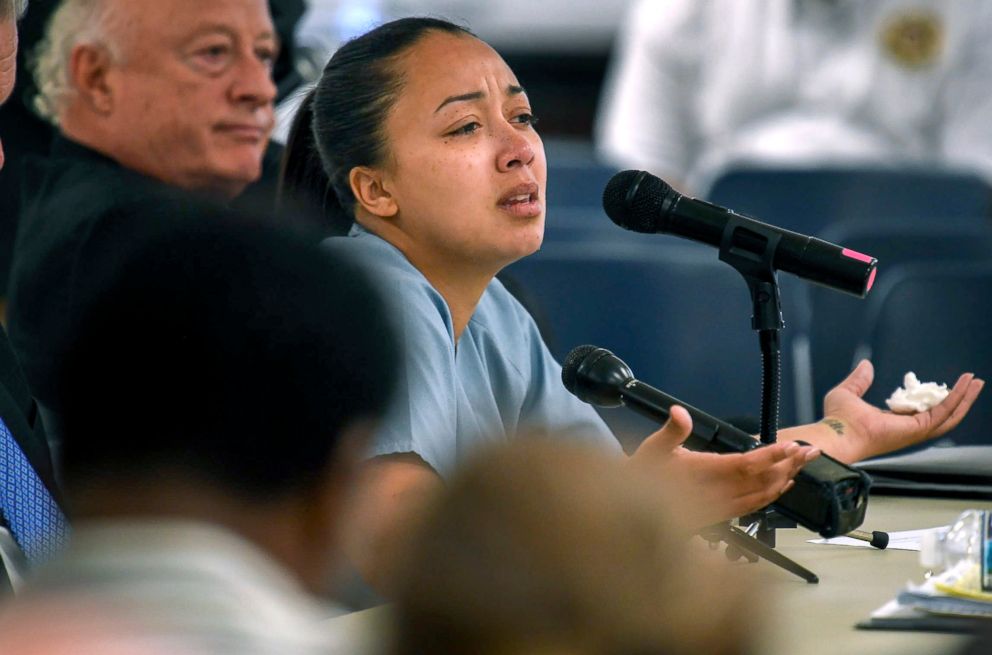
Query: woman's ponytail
point(304, 187)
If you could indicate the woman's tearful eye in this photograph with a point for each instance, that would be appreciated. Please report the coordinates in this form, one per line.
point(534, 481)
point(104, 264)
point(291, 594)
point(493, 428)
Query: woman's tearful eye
point(526, 119)
point(468, 128)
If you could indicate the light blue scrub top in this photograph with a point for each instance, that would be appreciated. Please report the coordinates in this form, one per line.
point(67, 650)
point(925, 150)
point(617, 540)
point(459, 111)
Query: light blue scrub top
point(500, 381)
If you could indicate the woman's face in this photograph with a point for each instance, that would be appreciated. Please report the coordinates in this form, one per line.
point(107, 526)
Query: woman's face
point(465, 167)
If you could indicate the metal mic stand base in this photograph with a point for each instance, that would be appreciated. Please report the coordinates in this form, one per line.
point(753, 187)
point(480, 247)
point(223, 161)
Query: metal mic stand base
point(753, 549)
point(762, 525)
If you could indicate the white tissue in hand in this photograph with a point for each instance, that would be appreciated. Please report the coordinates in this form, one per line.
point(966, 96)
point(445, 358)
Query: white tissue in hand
point(916, 396)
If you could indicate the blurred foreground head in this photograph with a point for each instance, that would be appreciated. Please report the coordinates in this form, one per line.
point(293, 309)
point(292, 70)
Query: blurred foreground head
point(541, 547)
point(224, 370)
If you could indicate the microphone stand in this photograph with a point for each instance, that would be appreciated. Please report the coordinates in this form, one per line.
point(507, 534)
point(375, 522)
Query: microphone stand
point(752, 254)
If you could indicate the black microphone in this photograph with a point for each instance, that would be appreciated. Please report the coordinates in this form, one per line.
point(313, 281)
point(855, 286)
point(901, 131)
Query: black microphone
point(598, 377)
point(828, 497)
point(641, 202)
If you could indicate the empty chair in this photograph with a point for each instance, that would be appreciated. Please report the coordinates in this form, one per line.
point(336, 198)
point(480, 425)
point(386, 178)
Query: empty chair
point(676, 314)
point(838, 320)
point(577, 183)
point(576, 177)
point(934, 320)
point(584, 224)
point(808, 200)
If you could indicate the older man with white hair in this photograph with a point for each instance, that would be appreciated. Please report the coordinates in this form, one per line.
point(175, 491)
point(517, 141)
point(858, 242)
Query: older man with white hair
point(146, 96)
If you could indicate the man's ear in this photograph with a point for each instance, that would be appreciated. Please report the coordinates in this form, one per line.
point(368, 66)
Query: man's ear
point(89, 66)
point(371, 193)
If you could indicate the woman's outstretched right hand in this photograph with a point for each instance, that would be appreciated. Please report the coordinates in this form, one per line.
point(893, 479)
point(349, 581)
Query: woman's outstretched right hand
point(719, 486)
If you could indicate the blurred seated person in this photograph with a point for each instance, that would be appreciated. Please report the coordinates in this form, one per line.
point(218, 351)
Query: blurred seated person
point(10, 12)
point(48, 628)
point(696, 87)
point(28, 498)
point(215, 398)
point(32, 520)
point(420, 144)
point(24, 132)
point(146, 96)
point(545, 547)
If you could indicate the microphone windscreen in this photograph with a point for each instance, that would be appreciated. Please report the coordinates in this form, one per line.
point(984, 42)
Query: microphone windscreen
point(633, 200)
point(615, 195)
point(570, 369)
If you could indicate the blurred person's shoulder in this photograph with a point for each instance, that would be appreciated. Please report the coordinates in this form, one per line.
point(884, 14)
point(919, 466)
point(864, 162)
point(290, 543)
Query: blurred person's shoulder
point(197, 586)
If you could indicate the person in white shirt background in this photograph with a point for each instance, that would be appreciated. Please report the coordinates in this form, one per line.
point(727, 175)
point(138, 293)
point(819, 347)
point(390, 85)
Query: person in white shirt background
point(698, 86)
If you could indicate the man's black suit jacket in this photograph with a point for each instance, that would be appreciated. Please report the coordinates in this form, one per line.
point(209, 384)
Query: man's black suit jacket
point(76, 222)
point(80, 213)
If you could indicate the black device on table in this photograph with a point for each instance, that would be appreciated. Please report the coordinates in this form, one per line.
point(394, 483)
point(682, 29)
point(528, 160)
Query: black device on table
point(828, 497)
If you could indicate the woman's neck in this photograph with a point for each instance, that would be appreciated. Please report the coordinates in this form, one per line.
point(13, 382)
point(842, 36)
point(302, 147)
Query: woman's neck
point(460, 282)
point(461, 290)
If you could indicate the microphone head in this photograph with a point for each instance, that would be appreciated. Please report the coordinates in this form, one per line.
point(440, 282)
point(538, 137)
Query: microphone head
point(570, 369)
point(595, 375)
point(638, 201)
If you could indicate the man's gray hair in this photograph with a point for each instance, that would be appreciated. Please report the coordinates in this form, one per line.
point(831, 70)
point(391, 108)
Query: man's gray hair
point(75, 22)
point(12, 8)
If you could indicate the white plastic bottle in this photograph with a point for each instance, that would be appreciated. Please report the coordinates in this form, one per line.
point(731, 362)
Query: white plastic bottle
point(960, 554)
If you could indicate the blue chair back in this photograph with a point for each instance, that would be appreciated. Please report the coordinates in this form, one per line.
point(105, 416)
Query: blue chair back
point(837, 322)
point(808, 200)
point(578, 183)
point(676, 314)
point(585, 225)
point(576, 176)
point(934, 320)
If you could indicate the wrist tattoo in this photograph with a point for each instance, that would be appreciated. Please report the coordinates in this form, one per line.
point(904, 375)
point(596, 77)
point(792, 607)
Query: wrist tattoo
point(835, 425)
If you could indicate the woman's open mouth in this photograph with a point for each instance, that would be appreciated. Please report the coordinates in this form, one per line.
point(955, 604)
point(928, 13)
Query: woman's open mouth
point(522, 200)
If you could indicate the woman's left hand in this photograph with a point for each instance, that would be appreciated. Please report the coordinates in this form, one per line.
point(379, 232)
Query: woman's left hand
point(861, 430)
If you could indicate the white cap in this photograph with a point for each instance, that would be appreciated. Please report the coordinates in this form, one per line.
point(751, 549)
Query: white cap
point(932, 549)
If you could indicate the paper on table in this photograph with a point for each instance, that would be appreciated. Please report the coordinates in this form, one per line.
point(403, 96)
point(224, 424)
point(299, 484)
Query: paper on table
point(905, 540)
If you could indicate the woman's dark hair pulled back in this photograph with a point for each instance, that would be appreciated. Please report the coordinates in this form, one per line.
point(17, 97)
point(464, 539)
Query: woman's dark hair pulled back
point(340, 123)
